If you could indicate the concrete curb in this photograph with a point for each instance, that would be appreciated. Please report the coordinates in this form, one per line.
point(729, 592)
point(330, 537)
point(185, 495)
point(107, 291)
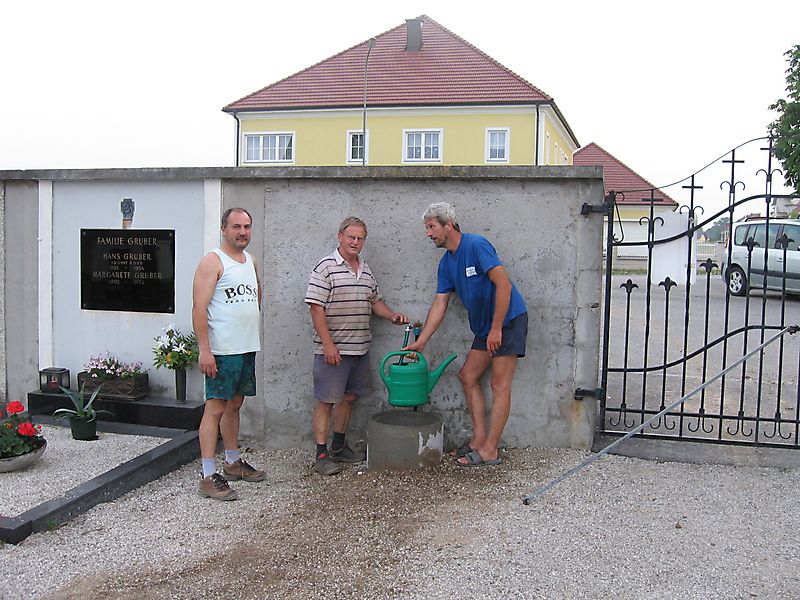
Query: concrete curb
point(182, 448)
point(685, 451)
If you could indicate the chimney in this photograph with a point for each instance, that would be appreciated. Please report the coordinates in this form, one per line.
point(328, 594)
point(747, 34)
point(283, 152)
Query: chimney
point(413, 34)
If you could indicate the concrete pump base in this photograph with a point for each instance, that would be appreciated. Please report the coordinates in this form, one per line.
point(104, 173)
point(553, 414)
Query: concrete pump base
point(401, 440)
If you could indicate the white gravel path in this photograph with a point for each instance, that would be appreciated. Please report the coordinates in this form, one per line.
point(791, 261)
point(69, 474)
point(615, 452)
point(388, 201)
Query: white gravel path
point(65, 464)
point(623, 528)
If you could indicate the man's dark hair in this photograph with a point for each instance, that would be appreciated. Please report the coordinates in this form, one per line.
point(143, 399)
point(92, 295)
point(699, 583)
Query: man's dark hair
point(228, 212)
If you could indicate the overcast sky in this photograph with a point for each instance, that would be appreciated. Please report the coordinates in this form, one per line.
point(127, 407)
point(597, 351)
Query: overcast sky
point(666, 87)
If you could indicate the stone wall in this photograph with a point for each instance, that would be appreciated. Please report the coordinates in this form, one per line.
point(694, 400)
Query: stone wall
point(531, 215)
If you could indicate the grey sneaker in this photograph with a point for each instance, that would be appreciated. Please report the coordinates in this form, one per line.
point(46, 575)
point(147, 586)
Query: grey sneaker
point(214, 486)
point(242, 470)
point(326, 466)
point(347, 455)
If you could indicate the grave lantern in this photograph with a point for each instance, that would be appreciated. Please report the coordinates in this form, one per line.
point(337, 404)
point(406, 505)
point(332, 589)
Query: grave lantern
point(52, 379)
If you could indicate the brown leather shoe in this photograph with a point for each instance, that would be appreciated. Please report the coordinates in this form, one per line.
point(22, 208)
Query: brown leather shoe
point(241, 470)
point(214, 486)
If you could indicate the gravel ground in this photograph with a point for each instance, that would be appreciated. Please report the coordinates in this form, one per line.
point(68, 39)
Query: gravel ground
point(623, 528)
point(65, 464)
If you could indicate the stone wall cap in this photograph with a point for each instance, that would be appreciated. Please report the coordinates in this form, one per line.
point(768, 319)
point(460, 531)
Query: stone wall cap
point(272, 173)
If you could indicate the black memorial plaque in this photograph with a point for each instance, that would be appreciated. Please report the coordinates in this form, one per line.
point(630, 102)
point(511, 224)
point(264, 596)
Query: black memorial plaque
point(128, 270)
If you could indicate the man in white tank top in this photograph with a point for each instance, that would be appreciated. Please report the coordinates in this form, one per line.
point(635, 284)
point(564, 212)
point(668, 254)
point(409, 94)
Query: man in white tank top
point(226, 296)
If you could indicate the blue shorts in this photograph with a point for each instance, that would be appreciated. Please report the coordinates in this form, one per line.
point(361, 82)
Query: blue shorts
point(236, 376)
point(351, 376)
point(514, 334)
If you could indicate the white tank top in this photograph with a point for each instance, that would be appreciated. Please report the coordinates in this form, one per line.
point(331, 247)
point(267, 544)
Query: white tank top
point(234, 318)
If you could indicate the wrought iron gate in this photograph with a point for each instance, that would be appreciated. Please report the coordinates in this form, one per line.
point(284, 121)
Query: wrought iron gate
point(673, 320)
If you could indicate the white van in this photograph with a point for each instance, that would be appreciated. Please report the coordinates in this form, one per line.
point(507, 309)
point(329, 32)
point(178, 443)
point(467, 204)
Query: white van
point(766, 242)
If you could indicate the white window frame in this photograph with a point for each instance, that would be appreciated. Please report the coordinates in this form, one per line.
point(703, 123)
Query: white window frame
point(423, 160)
point(507, 146)
point(348, 147)
point(274, 134)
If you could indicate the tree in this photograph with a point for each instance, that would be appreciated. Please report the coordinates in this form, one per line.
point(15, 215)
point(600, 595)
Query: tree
point(714, 232)
point(786, 128)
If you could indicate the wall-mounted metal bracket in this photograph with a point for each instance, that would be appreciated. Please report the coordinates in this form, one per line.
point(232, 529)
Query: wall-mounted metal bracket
point(604, 208)
point(581, 393)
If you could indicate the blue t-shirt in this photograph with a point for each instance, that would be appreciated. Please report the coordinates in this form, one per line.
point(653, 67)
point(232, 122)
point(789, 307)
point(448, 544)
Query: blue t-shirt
point(465, 272)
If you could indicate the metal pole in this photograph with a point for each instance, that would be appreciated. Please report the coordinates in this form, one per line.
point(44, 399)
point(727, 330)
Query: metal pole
point(370, 44)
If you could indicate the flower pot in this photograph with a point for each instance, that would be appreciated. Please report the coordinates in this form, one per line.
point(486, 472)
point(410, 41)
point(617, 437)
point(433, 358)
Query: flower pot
point(23, 461)
point(180, 385)
point(83, 428)
point(128, 388)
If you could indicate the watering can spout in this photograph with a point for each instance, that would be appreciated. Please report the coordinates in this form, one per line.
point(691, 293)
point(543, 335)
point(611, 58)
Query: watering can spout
point(433, 377)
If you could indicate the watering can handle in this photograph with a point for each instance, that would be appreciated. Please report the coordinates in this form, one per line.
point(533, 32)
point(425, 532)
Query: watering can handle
point(402, 353)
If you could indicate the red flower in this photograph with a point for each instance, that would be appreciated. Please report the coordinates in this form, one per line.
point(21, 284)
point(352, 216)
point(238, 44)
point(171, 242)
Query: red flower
point(14, 407)
point(27, 429)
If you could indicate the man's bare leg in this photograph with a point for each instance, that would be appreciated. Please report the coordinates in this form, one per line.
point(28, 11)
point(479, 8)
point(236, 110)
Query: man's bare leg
point(503, 368)
point(229, 423)
point(342, 413)
point(209, 429)
point(470, 374)
point(320, 421)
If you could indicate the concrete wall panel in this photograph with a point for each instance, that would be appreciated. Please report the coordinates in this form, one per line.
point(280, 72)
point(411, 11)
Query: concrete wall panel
point(21, 289)
point(535, 228)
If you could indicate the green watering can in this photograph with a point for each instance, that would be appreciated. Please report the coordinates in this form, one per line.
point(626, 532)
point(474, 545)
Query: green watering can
point(409, 383)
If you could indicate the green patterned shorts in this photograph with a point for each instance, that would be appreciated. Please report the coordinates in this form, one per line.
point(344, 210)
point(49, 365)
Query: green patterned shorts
point(236, 376)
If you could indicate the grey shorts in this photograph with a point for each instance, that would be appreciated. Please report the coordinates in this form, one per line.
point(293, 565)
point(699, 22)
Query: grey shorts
point(514, 335)
point(331, 382)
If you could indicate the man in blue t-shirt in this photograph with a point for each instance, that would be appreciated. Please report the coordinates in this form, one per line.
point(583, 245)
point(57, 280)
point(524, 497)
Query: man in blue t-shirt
point(498, 317)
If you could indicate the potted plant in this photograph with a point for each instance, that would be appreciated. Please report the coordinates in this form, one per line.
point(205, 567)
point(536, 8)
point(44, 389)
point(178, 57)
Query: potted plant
point(177, 352)
point(119, 380)
point(83, 417)
point(21, 444)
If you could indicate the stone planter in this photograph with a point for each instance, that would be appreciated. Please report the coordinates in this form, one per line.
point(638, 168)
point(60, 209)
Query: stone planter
point(17, 463)
point(129, 388)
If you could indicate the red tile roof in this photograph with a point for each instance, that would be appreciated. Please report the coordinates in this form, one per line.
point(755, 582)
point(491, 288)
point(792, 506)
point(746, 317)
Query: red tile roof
point(618, 176)
point(446, 71)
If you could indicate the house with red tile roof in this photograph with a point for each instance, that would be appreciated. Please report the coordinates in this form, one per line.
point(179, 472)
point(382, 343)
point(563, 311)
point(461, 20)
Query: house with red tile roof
point(417, 94)
point(619, 177)
point(633, 199)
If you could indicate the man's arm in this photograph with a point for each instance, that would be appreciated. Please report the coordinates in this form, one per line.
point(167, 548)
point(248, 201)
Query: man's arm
point(205, 280)
point(320, 320)
point(381, 309)
point(434, 319)
point(502, 300)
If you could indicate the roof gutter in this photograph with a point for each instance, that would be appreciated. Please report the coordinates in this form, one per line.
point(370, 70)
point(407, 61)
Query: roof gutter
point(238, 132)
point(536, 143)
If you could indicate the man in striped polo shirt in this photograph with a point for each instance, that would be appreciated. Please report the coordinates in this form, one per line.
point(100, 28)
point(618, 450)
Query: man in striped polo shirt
point(342, 295)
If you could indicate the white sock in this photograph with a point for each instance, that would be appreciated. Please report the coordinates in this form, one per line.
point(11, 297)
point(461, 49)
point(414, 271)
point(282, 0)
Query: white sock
point(231, 456)
point(209, 466)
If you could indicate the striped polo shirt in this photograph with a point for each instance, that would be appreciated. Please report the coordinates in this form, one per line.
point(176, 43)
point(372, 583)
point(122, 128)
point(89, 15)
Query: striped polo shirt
point(347, 298)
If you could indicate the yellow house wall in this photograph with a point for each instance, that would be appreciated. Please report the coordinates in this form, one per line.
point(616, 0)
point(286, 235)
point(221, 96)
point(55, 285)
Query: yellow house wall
point(637, 212)
point(552, 137)
point(322, 140)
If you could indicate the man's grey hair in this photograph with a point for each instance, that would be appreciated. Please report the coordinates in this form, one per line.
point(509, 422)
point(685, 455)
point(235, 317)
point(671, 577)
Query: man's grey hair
point(352, 221)
point(442, 212)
